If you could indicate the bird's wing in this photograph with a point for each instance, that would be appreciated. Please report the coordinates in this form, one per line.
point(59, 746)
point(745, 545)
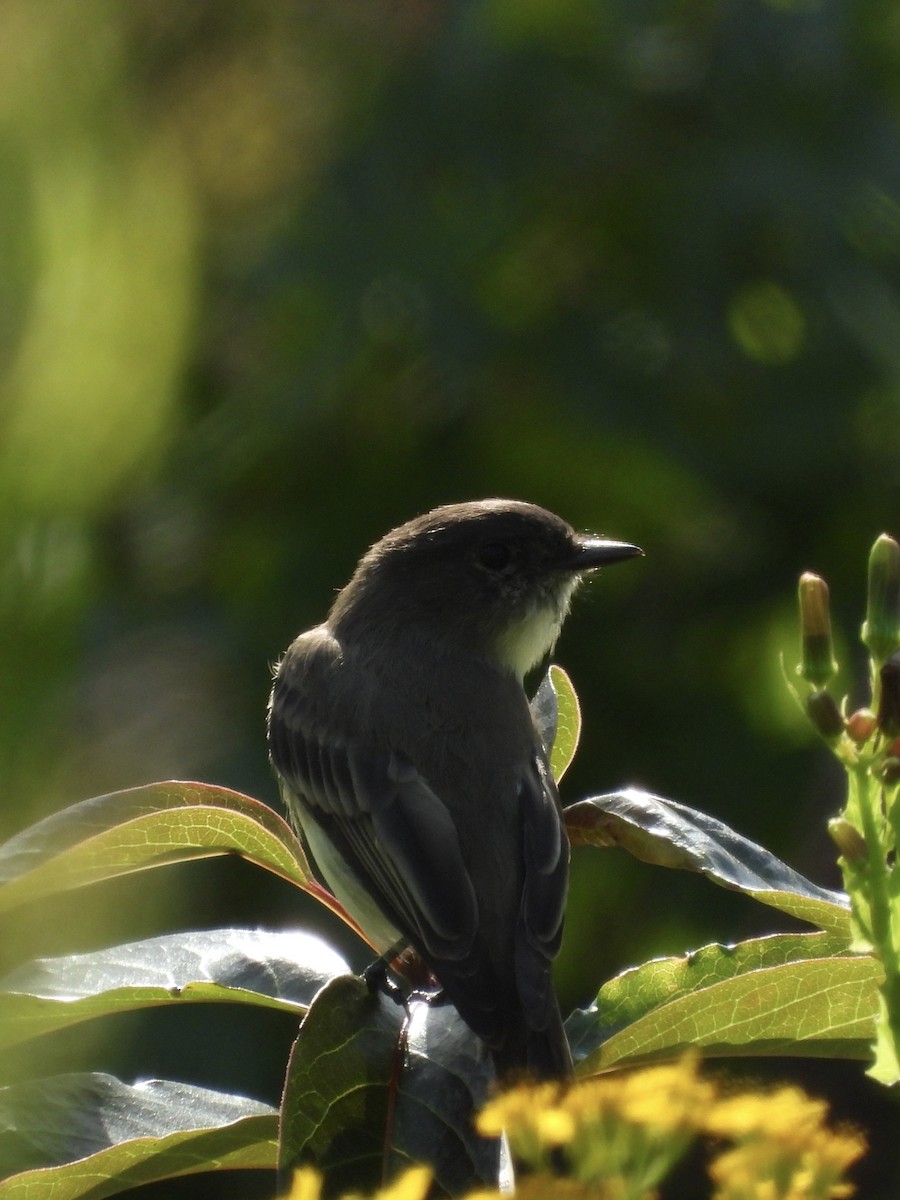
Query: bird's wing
point(386, 825)
point(545, 852)
point(393, 833)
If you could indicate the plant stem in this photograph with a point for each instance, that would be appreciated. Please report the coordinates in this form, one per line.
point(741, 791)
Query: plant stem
point(865, 803)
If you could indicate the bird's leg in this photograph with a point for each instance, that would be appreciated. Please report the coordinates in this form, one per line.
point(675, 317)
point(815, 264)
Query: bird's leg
point(377, 980)
point(424, 986)
point(434, 997)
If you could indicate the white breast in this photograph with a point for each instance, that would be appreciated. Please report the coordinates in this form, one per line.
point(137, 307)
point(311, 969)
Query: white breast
point(525, 643)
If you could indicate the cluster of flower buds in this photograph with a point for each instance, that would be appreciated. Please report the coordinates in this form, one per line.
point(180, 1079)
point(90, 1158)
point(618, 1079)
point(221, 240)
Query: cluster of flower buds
point(876, 729)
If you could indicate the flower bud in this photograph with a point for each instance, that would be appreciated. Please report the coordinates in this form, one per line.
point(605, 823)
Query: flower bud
point(817, 665)
point(848, 839)
point(890, 772)
point(881, 628)
point(889, 697)
point(861, 725)
point(822, 710)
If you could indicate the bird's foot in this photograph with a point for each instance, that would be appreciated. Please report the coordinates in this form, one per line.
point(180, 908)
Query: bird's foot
point(433, 997)
point(377, 980)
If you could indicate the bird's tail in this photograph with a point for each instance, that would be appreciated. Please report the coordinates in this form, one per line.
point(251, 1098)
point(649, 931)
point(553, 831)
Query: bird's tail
point(534, 1054)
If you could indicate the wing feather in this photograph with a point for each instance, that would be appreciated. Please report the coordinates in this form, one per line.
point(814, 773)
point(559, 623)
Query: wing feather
point(542, 909)
point(394, 834)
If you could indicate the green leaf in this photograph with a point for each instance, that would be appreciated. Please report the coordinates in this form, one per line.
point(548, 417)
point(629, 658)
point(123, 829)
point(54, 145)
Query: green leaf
point(557, 716)
point(816, 1007)
point(667, 834)
point(545, 712)
point(244, 966)
point(640, 990)
point(830, 915)
point(335, 1109)
point(145, 827)
point(448, 1077)
point(568, 725)
point(84, 1135)
point(369, 1092)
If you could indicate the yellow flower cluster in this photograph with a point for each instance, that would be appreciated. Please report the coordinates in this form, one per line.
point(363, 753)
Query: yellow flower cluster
point(413, 1184)
point(783, 1151)
point(630, 1126)
point(617, 1137)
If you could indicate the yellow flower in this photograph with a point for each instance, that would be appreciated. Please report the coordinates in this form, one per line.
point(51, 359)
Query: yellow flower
point(662, 1100)
point(550, 1187)
point(518, 1108)
point(785, 1151)
point(306, 1185)
point(629, 1126)
point(785, 1112)
point(413, 1184)
point(617, 1137)
point(666, 1098)
point(554, 1187)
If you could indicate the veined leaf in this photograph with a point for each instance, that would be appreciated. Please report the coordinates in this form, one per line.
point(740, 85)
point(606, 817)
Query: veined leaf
point(668, 834)
point(244, 966)
point(568, 724)
point(557, 715)
point(144, 827)
point(370, 1091)
point(151, 826)
point(74, 1136)
point(814, 1007)
point(336, 1104)
point(447, 1078)
point(640, 990)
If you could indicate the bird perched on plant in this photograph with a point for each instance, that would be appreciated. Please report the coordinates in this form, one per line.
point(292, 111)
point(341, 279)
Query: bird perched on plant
point(410, 763)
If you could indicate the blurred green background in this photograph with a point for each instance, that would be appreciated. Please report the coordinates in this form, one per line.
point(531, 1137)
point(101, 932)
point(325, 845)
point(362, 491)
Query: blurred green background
point(277, 275)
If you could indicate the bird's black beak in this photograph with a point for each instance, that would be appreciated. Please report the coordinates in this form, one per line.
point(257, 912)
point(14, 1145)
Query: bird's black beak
point(600, 552)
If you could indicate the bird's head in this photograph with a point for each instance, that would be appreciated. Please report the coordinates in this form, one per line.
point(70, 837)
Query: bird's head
point(490, 576)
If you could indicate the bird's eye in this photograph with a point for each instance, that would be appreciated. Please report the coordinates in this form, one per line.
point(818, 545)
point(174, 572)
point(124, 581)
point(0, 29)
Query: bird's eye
point(495, 556)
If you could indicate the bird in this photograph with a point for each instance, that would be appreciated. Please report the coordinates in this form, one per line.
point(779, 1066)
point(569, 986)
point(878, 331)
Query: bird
point(411, 766)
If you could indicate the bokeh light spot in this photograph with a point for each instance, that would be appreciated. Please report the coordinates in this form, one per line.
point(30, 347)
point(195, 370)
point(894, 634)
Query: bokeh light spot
point(767, 323)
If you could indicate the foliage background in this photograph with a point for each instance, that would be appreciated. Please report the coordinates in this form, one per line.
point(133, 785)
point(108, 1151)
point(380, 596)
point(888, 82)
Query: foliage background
point(276, 275)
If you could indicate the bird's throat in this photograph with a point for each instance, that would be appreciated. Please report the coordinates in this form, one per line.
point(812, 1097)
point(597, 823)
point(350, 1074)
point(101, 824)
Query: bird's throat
point(523, 644)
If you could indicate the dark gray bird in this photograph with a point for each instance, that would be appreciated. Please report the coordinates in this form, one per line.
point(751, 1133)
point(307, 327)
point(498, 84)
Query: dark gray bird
point(411, 766)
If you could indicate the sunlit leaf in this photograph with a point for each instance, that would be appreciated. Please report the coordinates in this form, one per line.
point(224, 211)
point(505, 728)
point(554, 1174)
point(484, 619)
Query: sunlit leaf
point(557, 715)
point(336, 1105)
point(815, 1007)
point(668, 834)
point(73, 1136)
point(639, 990)
point(568, 725)
point(245, 966)
point(144, 827)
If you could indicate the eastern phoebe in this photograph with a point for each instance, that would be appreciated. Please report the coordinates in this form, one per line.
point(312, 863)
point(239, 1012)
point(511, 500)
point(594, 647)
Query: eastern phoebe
point(411, 766)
